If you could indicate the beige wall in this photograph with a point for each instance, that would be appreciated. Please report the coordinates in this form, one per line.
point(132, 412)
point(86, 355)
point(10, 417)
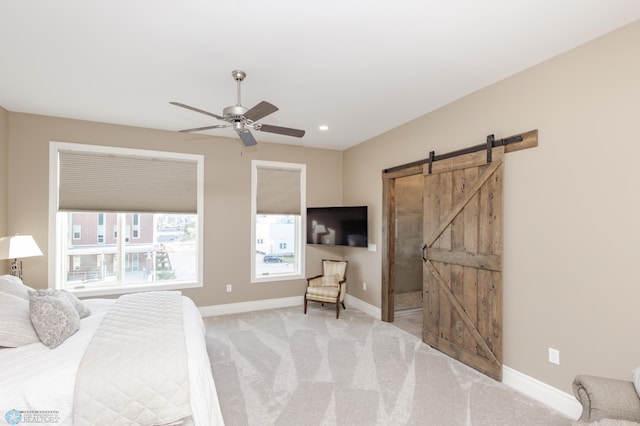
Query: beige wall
point(572, 207)
point(227, 221)
point(4, 176)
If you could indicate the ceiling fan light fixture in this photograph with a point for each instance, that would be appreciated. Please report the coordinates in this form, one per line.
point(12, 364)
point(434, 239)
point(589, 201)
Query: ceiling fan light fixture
point(238, 126)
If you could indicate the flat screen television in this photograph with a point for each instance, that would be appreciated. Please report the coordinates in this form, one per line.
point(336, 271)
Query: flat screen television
point(337, 226)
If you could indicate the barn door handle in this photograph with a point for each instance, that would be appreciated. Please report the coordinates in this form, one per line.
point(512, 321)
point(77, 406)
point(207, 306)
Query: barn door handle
point(424, 253)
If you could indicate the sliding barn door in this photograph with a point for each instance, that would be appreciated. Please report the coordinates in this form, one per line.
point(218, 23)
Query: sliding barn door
point(462, 254)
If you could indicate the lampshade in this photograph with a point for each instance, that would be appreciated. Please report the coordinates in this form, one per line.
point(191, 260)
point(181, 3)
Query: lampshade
point(18, 246)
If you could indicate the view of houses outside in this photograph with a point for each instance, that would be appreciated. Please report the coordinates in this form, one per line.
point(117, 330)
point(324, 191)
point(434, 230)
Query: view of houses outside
point(160, 247)
point(275, 244)
point(157, 247)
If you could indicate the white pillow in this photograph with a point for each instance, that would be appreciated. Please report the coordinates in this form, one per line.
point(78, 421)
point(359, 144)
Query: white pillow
point(13, 285)
point(636, 379)
point(15, 323)
point(83, 310)
point(53, 316)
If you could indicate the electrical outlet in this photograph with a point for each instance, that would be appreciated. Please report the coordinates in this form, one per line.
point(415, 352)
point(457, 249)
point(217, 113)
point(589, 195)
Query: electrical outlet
point(364, 285)
point(554, 356)
point(229, 288)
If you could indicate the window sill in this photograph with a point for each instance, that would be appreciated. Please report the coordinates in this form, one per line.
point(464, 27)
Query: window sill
point(272, 278)
point(115, 291)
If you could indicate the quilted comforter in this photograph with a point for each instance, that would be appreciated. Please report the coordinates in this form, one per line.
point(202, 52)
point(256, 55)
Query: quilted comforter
point(134, 370)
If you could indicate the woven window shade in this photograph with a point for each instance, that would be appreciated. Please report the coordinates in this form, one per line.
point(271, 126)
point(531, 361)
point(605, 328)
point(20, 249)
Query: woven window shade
point(90, 181)
point(278, 191)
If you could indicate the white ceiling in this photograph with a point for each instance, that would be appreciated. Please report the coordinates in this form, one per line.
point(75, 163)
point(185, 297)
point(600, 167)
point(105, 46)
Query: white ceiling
point(360, 67)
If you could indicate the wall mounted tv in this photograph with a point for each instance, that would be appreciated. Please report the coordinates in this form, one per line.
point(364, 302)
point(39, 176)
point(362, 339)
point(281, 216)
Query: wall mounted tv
point(337, 226)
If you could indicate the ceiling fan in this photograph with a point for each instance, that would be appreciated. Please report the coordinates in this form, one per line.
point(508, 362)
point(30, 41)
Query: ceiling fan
point(243, 119)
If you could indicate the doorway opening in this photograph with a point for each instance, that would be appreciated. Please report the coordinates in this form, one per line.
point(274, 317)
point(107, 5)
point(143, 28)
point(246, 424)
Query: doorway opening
point(401, 243)
point(408, 241)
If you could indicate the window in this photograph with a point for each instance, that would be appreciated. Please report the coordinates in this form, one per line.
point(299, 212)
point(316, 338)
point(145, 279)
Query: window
point(100, 231)
point(278, 201)
point(136, 225)
point(160, 217)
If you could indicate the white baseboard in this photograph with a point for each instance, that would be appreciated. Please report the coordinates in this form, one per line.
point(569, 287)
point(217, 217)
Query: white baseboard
point(548, 395)
point(256, 305)
point(284, 302)
point(363, 306)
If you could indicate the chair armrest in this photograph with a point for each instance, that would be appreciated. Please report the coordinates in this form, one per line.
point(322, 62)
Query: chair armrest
point(603, 398)
point(314, 281)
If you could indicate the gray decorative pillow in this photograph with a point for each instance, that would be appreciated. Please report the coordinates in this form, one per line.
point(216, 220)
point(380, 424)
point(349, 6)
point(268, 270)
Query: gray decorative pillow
point(15, 324)
point(83, 310)
point(13, 285)
point(53, 316)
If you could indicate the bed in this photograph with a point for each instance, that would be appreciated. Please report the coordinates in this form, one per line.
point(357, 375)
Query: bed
point(38, 383)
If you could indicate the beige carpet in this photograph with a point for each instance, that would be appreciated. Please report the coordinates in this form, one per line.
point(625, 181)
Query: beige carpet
point(281, 367)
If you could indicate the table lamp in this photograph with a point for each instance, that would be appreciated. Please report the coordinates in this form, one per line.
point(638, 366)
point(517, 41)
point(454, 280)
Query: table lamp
point(18, 246)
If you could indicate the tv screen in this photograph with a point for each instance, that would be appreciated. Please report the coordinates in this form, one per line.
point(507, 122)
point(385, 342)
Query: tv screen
point(337, 226)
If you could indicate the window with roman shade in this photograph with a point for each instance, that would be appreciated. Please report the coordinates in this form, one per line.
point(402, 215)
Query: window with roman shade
point(141, 213)
point(278, 204)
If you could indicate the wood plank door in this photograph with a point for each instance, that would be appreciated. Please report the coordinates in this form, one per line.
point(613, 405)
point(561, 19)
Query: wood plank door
point(462, 259)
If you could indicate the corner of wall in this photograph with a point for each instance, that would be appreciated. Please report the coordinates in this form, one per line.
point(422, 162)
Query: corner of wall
point(4, 178)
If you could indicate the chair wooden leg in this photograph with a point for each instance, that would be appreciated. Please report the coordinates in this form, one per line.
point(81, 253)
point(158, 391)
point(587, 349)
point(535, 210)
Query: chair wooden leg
point(305, 305)
point(337, 311)
point(343, 306)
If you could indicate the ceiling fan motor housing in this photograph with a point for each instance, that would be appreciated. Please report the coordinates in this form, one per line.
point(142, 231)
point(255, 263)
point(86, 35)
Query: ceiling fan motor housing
point(234, 113)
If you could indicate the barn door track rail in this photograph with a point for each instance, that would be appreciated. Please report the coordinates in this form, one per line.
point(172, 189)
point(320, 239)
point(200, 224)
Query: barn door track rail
point(512, 143)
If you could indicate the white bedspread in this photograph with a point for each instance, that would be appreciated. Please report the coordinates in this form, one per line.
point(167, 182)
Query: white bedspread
point(134, 370)
point(37, 379)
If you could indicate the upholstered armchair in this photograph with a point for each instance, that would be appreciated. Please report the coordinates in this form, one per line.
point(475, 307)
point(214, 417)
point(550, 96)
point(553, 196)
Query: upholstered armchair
point(604, 398)
point(330, 286)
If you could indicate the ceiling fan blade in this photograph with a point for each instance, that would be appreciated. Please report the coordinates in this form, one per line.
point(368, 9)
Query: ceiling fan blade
point(197, 110)
point(281, 130)
point(247, 138)
point(259, 111)
point(197, 129)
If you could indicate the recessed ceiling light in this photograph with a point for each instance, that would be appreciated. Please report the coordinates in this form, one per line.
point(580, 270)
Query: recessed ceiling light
point(323, 127)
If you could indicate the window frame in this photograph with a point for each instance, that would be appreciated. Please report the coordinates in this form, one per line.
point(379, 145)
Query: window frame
point(300, 238)
point(56, 236)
